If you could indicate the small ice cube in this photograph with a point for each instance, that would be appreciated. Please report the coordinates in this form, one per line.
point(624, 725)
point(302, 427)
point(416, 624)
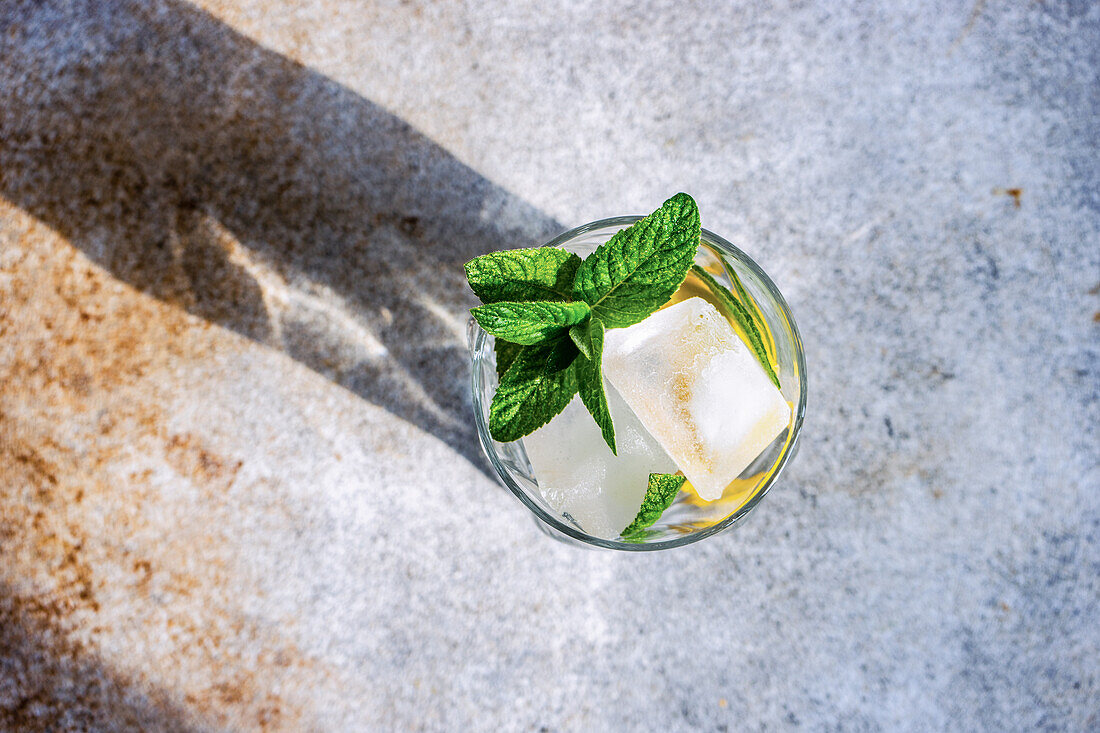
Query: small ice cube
point(579, 475)
point(699, 391)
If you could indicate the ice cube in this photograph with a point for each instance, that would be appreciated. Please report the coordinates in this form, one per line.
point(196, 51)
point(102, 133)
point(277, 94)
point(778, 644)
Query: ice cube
point(698, 389)
point(579, 475)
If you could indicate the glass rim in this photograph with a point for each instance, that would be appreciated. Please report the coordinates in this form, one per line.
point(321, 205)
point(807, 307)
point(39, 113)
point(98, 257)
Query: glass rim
point(556, 523)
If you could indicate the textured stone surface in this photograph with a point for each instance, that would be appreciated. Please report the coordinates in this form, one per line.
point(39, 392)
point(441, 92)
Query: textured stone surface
point(238, 484)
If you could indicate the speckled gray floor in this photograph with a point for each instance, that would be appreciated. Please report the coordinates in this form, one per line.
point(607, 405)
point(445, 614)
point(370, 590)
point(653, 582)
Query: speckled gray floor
point(238, 485)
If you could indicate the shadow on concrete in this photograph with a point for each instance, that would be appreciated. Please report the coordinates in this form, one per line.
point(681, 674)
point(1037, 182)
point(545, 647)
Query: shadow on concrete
point(50, 683)
point(262, 196)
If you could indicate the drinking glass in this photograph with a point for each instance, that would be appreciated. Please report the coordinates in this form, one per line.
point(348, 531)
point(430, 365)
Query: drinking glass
point(689, 519)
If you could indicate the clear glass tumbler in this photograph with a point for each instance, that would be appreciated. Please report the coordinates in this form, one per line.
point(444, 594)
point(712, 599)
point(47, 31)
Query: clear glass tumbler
point(689, 519)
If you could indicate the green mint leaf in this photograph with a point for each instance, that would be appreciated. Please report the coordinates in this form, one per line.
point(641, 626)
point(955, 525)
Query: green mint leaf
point(590, 381)
point(744, 319)
point(636, 271)
point(579, 334)
point(528, 323)
point(662, 490)
point(543, 273)
point(537, 387)
point(754, 310)
point(506, 353)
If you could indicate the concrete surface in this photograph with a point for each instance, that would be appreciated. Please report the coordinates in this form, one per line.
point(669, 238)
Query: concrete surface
point(238, 485)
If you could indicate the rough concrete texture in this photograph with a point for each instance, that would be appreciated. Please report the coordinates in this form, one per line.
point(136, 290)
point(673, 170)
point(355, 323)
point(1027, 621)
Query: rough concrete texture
point(239, 488)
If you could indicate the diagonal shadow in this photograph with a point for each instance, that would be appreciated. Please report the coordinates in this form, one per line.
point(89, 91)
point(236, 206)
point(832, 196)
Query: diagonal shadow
point(262, 196)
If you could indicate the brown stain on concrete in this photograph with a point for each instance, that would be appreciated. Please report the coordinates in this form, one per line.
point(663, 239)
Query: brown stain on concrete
point(101, 555)
point(53, 683)
point(1014, 193)
point(52, 680)
point(188, 454)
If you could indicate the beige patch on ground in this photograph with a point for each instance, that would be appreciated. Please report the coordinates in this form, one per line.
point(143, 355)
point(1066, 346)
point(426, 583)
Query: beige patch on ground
point(122, 598)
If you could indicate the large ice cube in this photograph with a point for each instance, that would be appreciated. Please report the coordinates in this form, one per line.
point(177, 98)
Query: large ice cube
point(578, 474)
point(698, 389)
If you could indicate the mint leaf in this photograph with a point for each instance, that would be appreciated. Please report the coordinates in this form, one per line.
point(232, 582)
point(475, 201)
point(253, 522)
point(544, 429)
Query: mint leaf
point(543, 273)
point(506, 354)
point(754, 310)
point(590, 380)
point(662, 490)
point(537, 386)
point(579, 335)
point(741, 294)
point(636, 271)
point(744, 319)
point(528, 323)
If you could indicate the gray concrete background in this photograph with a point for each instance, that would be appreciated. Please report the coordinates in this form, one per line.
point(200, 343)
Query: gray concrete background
point(239, 487)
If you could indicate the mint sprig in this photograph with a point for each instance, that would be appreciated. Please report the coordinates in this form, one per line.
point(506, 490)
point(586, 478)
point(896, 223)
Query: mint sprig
point(662, 491)
point(548, 311)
